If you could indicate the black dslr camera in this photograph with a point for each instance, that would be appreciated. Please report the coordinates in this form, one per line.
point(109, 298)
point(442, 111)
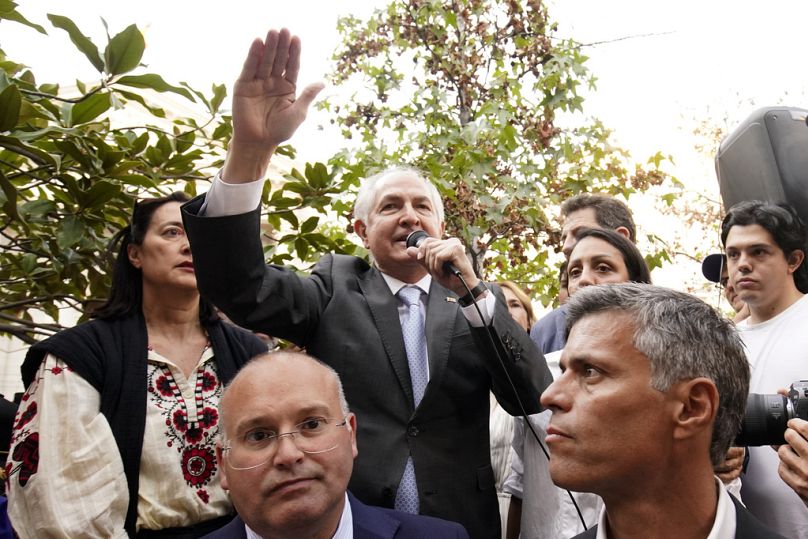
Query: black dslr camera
point(767, 415)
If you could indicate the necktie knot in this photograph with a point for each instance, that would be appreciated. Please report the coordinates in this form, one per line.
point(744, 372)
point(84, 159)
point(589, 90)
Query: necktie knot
point(410, 295)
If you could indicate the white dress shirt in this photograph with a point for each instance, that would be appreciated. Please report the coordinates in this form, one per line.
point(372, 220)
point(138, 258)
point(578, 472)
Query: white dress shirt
point(723, 525)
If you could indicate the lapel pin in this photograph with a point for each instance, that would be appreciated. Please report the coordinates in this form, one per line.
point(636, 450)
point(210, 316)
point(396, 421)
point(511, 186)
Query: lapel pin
point(451, 299)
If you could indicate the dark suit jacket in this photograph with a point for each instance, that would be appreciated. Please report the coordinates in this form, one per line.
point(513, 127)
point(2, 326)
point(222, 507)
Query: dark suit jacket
point(746, 526)
point(345, 315)
point(373, 523)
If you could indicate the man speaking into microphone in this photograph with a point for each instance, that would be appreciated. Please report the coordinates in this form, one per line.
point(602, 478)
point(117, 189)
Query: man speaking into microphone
point(405, 336)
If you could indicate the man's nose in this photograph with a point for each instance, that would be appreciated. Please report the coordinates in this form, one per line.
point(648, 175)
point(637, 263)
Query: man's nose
point(566, 247)
point(409, 215)
point(286, 451)
point(553, 397)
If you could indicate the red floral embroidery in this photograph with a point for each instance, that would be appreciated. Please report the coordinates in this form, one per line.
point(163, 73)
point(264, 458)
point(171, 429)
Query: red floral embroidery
point(209, 417)
point(27, 454)
point(163, 385)
point(56, 370)
point(198, 465)
point(203, 495)
point(194, 434)
point(181, 420)
point(208, 382)
point(26, 416)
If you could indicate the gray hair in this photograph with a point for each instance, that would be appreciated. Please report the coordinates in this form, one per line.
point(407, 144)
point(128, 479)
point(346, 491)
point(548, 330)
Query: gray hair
point(683, 338)
point(368, 192)
point(272, 356)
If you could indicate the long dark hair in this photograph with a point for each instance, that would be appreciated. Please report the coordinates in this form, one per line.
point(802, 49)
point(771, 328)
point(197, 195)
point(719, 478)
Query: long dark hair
point(638, 271)
point(126, 293)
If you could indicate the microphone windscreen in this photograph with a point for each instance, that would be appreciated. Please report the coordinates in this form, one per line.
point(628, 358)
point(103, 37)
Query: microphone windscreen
point(416, 237)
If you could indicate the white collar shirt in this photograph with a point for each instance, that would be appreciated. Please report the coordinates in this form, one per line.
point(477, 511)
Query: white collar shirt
point(723, 525)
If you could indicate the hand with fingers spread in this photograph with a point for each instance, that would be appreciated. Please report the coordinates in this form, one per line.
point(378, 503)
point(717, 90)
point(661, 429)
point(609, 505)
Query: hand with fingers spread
point(266, 110)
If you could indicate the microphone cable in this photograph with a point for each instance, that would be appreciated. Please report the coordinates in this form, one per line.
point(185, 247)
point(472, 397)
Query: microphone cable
point(414, 239)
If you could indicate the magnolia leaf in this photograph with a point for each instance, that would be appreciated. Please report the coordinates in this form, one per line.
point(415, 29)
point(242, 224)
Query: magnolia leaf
point(124, 51)
point(81, 41)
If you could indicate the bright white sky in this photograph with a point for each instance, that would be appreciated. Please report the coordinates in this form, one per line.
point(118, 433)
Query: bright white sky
point(704, 59)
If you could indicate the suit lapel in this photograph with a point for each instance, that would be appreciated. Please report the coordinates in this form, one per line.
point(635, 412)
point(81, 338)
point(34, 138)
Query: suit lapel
point(384, 308)
point(441, 317)
point(370, 523)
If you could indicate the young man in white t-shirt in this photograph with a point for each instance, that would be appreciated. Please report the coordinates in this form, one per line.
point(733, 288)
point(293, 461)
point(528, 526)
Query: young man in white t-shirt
point(765, 248)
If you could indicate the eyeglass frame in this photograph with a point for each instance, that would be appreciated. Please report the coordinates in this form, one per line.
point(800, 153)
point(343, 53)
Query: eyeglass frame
point(274, 441)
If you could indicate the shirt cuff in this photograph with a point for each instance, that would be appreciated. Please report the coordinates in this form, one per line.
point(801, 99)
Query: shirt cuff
point(486, 305)
point(223, 199)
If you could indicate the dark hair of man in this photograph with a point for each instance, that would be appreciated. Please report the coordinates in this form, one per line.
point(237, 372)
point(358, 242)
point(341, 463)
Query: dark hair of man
point(781, 221)
point(126, 292)
point(638, 271)
point(609, 212)
point(683, 338)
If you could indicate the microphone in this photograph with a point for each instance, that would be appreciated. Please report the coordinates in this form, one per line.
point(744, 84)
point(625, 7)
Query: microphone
point(416, 237)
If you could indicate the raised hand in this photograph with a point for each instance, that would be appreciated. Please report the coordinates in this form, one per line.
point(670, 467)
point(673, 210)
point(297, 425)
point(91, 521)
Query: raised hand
point(266, 110)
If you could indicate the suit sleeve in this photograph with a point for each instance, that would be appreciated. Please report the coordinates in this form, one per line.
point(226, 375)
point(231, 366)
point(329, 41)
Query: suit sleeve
point(231, 273)
point(522, 364)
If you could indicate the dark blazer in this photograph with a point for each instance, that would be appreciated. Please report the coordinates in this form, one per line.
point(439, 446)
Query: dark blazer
point(345, 315)
point(373, 523)
point(746, 526)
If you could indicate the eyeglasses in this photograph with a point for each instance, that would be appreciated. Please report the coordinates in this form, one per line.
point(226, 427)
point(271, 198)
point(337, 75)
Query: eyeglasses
point(258, 446)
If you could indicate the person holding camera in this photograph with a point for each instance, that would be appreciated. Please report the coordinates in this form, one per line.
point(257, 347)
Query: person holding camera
point(765, 245)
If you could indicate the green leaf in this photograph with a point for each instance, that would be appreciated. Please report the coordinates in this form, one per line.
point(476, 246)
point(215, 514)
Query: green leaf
point(91, 108)
point(37, 208)
point(124, 51)
point(81, 41)
point(154, 82)
point(309, 224)
point(156, 111)
point(219, 93)
point(10, 205)
point(10, 102)
point(100, 193)
point(71, 230)
point(8, 12)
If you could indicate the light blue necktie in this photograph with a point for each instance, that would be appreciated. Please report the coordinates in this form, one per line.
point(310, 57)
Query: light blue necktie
point(415, 345)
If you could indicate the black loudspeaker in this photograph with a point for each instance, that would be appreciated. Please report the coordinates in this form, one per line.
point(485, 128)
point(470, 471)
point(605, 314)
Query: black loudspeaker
point(766, 158)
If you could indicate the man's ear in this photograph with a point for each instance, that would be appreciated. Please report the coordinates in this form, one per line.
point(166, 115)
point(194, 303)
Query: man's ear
point(361, 230)
point(623, 231)
point(352, 429)
point(222, 467)
point(133, 253)
point(696, 407)
point(794, 260)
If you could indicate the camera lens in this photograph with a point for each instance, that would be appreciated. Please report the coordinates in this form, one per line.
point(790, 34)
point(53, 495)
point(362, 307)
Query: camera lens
point(765, 420)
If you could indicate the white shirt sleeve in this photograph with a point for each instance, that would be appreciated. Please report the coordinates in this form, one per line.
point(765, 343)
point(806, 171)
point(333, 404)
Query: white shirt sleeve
point(486, 305)
point(223, 199)
point(66, 475)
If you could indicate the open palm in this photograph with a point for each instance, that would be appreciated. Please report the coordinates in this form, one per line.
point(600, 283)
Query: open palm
point(266, 111)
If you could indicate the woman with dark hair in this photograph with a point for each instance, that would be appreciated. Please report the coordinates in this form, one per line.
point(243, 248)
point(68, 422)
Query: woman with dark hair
point(539, 509)
point(605, 256)
point(116, 432)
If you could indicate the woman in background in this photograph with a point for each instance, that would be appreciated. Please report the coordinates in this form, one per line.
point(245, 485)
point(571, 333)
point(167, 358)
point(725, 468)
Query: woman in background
point(116, 432)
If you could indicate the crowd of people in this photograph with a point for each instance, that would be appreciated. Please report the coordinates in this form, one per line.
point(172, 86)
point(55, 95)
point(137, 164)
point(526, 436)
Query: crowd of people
point(424, 402)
